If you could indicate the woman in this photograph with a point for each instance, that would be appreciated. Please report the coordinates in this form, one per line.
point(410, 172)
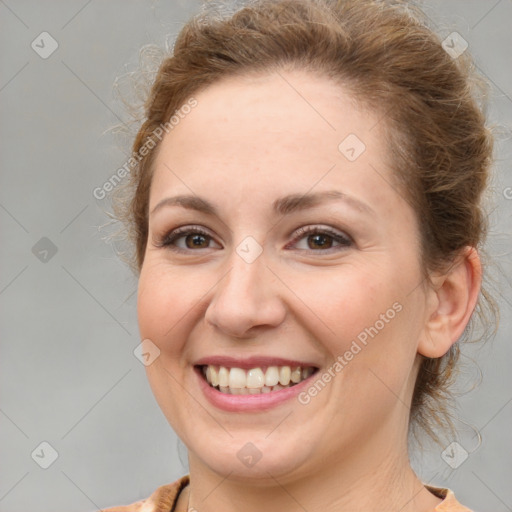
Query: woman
point(305, 211)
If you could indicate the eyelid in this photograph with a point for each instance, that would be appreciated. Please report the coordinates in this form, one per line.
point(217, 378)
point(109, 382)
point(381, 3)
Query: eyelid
point(166, 240)
point(342, 238)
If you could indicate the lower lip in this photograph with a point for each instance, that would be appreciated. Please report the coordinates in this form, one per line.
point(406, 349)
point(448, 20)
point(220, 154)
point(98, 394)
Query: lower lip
point(259, 402)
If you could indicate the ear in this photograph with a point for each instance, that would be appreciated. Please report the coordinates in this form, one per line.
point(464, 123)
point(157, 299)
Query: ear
point(452, 299)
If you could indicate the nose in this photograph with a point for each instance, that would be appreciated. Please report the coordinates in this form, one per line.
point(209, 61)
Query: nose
point(246, 299)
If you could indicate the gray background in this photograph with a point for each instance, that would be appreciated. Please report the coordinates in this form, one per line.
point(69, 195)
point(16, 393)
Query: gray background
point(68, 324)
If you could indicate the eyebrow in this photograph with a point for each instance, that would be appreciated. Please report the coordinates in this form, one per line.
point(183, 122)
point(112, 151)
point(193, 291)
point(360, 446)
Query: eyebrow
point(282, 206)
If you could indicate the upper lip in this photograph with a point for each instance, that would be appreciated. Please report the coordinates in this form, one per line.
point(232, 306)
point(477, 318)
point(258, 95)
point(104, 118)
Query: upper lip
point(251, 362)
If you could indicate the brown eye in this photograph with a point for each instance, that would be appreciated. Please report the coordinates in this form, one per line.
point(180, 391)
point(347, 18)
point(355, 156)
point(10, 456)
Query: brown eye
point(196, 241)
point(187, 238)
point(320, 239)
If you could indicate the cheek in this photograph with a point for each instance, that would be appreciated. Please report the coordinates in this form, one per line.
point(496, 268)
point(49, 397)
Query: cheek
point(165, 297)
point(363, 320)
point(163, 301)
point(347, 302)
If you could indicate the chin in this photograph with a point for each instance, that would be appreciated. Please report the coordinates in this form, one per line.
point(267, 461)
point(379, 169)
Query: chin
point(251, 457)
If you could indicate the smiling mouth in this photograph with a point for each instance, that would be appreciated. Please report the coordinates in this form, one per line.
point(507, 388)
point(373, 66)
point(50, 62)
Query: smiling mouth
point(255, 381)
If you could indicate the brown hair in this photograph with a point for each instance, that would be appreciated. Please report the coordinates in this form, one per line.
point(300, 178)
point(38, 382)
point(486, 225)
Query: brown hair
point(388, 59)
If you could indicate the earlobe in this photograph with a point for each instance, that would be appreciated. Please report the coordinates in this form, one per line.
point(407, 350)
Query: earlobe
point(453, 298)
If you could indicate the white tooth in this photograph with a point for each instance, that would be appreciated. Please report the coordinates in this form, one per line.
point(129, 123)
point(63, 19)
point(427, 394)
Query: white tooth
point(243, 391)
point(284, 375)
point(254, 391)
point(272, 376)
point(265, 389)
point(295, 376)
point(224, 389)
point(223, 377)
point(208, 374)
point(214, 376)
point(237, 378)
point(255, 378)
point(277, 387)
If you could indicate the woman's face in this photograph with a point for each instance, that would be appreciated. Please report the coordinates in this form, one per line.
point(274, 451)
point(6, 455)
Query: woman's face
point(307, 256)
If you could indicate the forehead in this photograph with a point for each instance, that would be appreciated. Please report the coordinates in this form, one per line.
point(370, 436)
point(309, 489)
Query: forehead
point(267, 129)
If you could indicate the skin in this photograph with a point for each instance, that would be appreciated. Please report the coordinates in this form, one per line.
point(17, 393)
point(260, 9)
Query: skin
point(249, 141)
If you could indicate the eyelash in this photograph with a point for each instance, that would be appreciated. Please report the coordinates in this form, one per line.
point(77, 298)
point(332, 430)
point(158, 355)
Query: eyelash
point(344, 240)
